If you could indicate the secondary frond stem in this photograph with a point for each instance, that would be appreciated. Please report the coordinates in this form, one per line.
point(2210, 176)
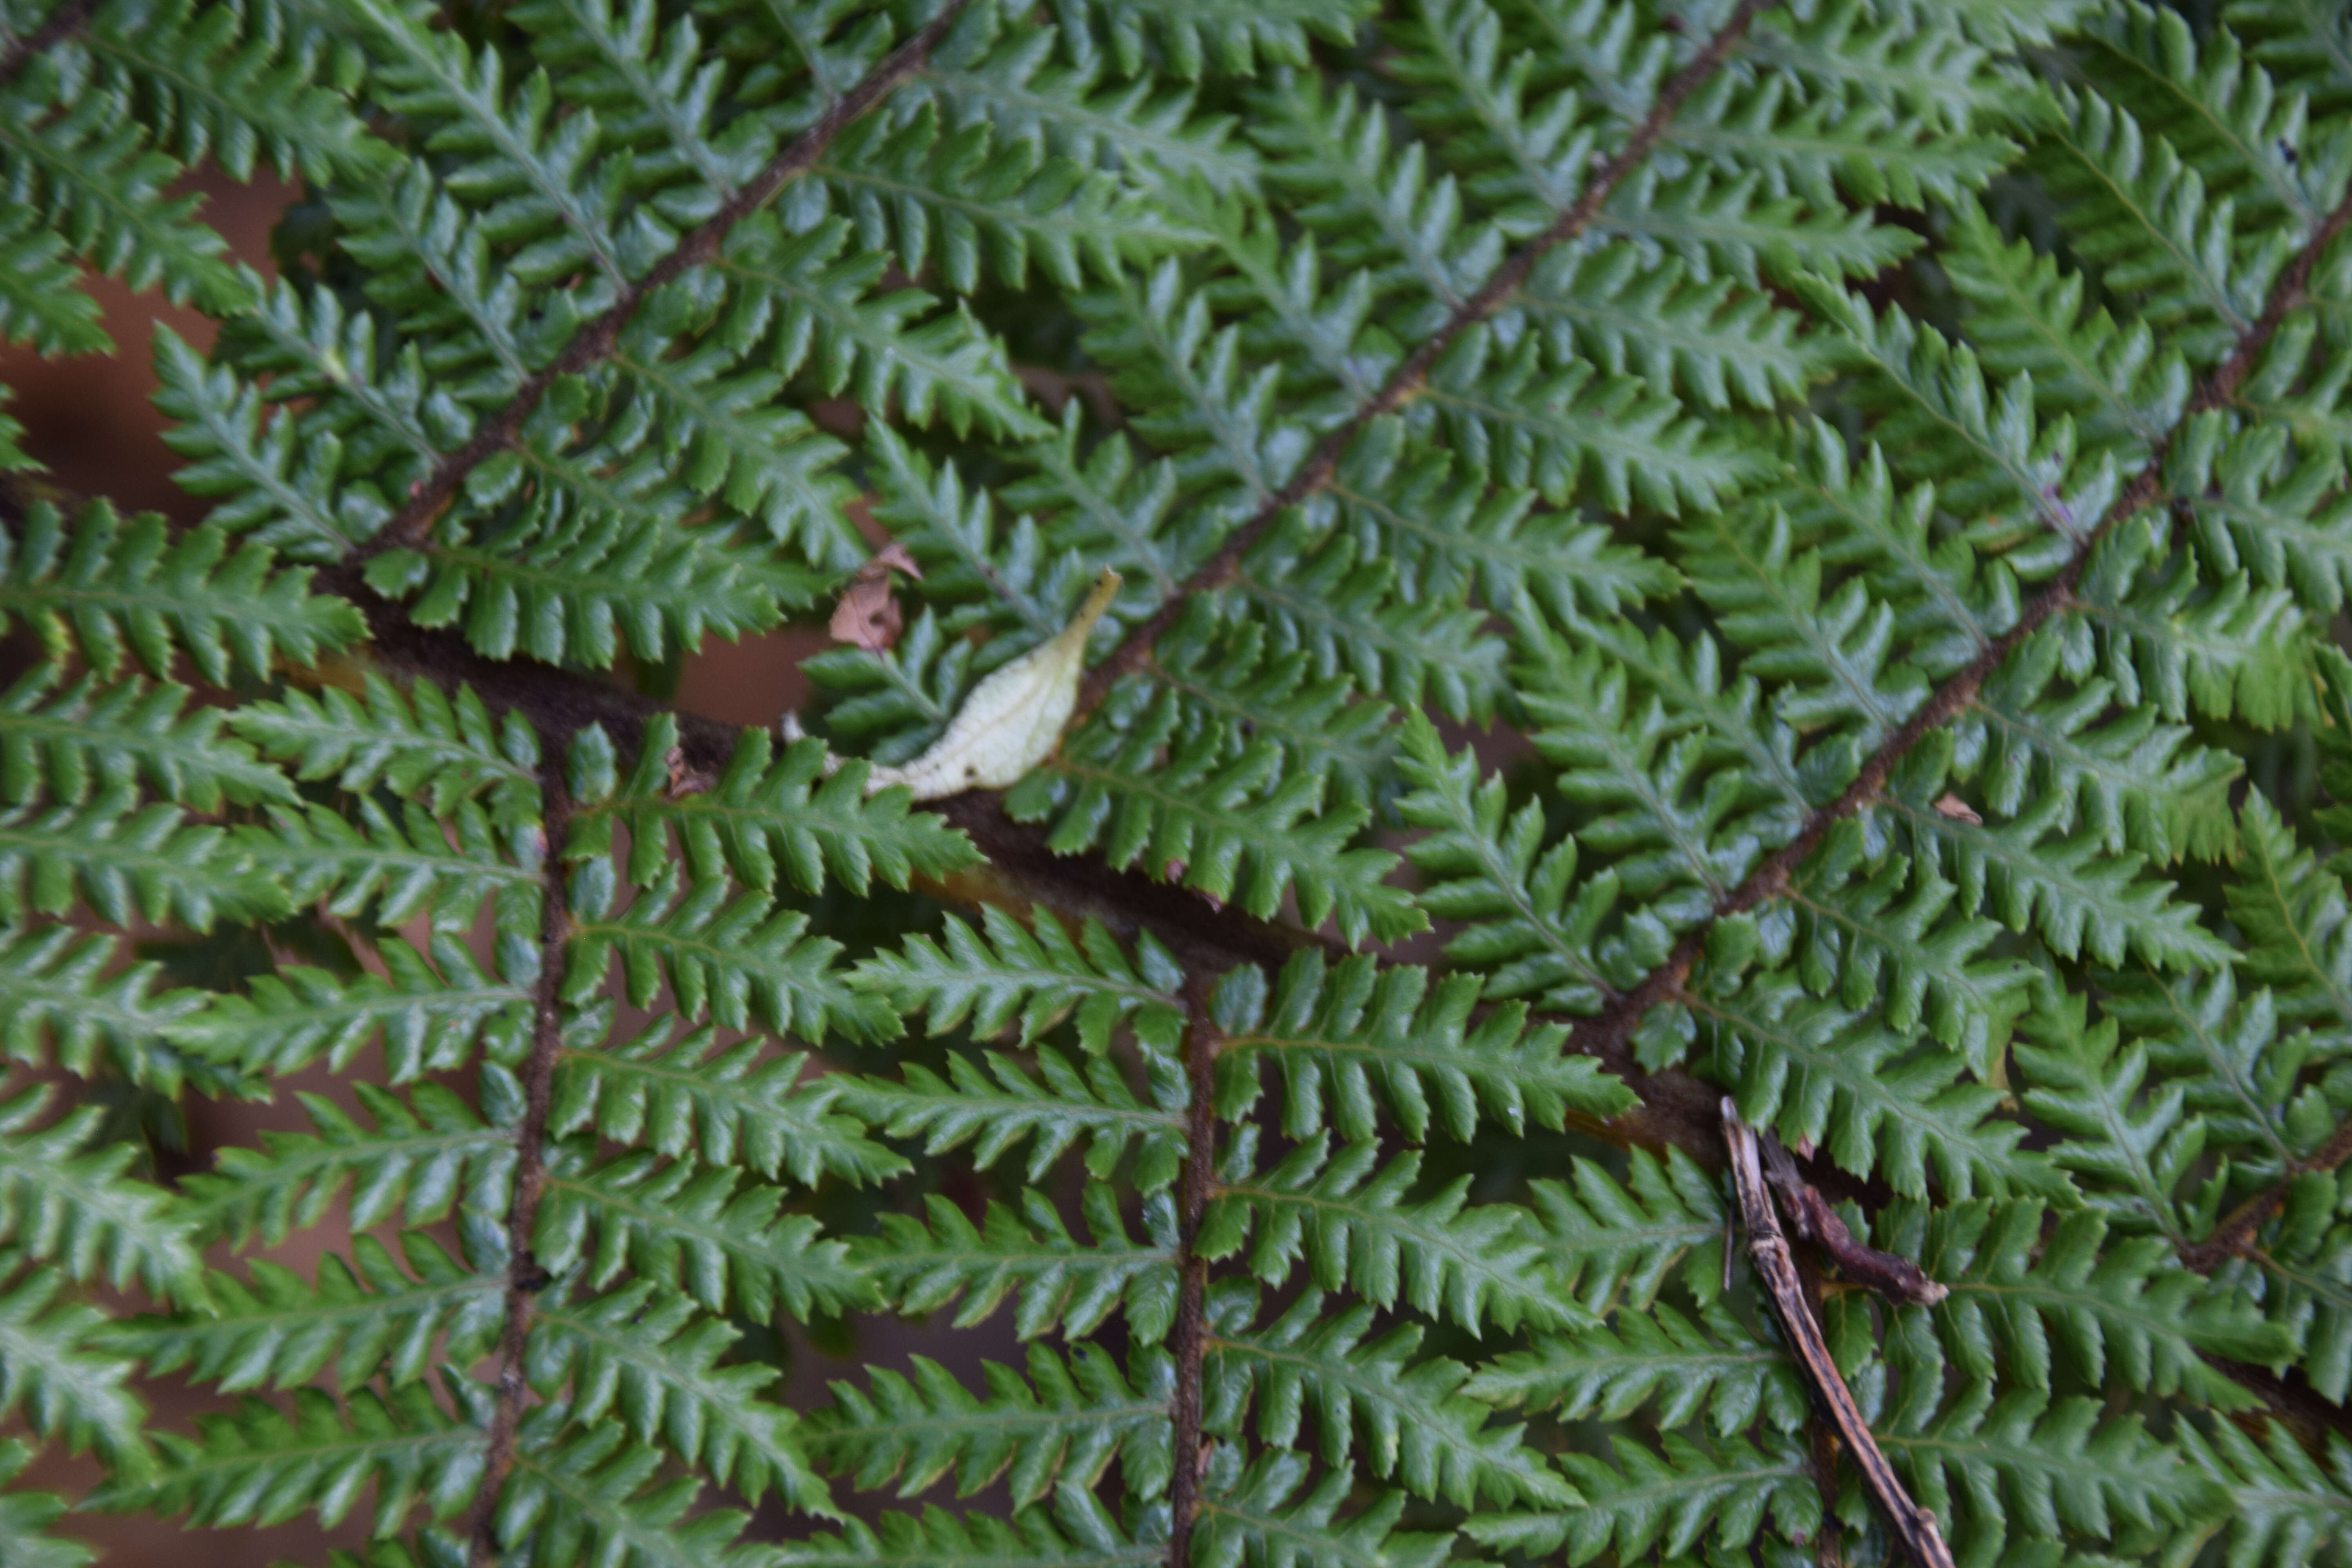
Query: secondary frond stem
point(601, 338)
point(524, 1278)
point(2235, 1233)
point(1323, 462)
point(59, 24)
point(1188, 1340)
point(1606, 1035)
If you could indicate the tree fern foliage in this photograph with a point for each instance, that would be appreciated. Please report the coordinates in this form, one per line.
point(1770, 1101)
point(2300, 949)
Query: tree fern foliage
point(1669, 553)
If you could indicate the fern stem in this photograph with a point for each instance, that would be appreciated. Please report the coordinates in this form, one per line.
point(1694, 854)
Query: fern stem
point(524, 1276)
point(2235, 1233)
point(59, 24)
point(1605, 1036)
point(599, 339)
point(1189, 1335)
point(1322, 463)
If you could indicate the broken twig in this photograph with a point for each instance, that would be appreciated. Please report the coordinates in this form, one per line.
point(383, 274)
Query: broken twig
point(1914, 1526)
point(1811, 1217)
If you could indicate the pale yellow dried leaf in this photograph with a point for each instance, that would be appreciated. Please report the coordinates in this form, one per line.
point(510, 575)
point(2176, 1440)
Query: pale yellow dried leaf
point(1013, 720)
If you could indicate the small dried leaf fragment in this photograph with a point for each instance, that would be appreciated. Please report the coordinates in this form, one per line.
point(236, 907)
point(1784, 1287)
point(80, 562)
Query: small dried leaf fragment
point(868, 615)
point(1952, 805)
point(1013, 720)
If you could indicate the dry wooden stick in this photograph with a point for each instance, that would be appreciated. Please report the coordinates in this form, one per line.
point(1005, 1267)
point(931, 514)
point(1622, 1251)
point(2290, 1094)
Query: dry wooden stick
point(1914, 1526)
point(1811, 1217)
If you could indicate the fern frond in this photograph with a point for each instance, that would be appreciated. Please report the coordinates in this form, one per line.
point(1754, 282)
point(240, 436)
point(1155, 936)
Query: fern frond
point(1668, 1499)
point(2232, 125)
point(701, 1230)
point(503, 144)
point(101, 738)
point(68, 149)
point(1699, 341)
point(2299, 1276)
point(1612, 1242)
point(1165, 353)
point(25, 1518)
point(265, 1463)
point(668, 1091)
point(65, 1201)
point(1829, 651)
point(1877, 1102)
point(763, 814)
point(1030, 1255)
point(2237, 1069)
point(2130, 779)
point(1493, 873)
point(1410, 1414)
point(2294, 914)
point(1035, 976)
point(1660, 797)
point(2036, 1468)
point(1945, 420)
point(1062, 1424)
point(2121, 383)
point(1077, 1531)
point(993, 1104)
point(1375, 209)
point(392, 870)
point(42, 306)
point(102, 587)
point(280, 489)
point(421, 744)
point(1233, 826)
point(60, 1373)
point(430, 1014)
point(1351, 1223)
point(2235, 650)
point(1140, 129)
point(1554, 430)
point(410, 1157)
point(2120, 1307)
point(2078, 896)
point(650, 1359)
point(2305, 43)
point(1728, 226)
point(955, 196)
point(1855, 924)
point(1713, 1367)
point(64, 1000)
point(127, 864)
point(2133, 1153)
point(1259, 1515)
point(1105, 506)
point(652, 95)
point(1224, 36)
point(1328, 597)
point(731, 959)
point(554, 591)
point(2269, 512)
point(237, 88)
point(1235, 675)
point(598, 1497)
point(2137, 209)
point(2276, 1501)
point(364, 1316)
point(1447, 531)
point(884, 349)
point(1334, 1034)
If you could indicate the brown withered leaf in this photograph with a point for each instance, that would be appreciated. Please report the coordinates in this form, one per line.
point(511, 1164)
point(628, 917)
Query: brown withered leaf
point(868, 615)
point(1959, 810)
